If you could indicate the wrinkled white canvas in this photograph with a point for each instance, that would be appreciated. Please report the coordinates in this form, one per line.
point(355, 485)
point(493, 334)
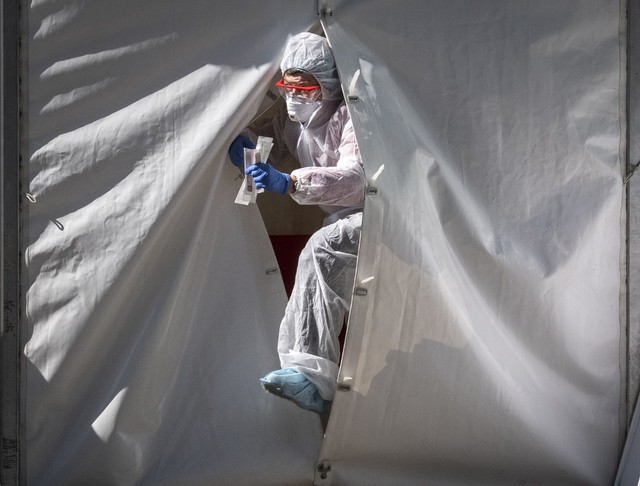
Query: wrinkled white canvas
point(487, 347)
point(152, 303)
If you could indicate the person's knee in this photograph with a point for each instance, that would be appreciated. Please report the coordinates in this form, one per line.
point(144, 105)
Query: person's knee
point(328, 242)
point(320, 239)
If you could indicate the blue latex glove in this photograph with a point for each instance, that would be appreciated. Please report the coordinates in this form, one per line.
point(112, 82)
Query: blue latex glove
point(236, 150)
point(265, 176)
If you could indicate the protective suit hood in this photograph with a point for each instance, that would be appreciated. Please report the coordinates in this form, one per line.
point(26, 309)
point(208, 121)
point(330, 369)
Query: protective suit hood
point(311, 53)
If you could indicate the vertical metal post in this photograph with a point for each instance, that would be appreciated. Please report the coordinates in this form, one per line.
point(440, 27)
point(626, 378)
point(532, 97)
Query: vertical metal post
point(633, 205)
point(629, 468)
point(10, 261)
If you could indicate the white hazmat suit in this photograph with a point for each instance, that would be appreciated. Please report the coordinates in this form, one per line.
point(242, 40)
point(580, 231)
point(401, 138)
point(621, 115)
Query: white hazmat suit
point(332, 177)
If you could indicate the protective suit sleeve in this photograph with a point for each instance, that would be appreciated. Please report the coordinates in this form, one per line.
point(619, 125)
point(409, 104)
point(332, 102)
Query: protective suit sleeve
point(341, 185)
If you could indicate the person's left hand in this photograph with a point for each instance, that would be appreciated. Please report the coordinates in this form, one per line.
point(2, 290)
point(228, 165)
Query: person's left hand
point(265, 176)
point(236, 150)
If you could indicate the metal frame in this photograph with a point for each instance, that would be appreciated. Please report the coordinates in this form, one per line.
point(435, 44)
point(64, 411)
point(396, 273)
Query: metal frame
point(633, 206)
point(10, 260)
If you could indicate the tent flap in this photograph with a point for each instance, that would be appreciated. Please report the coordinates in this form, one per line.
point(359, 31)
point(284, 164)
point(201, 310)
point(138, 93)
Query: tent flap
point(152, 303)
point(484, 348)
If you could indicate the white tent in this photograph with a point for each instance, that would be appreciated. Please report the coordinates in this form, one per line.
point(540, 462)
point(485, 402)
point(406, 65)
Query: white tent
point(489, 339)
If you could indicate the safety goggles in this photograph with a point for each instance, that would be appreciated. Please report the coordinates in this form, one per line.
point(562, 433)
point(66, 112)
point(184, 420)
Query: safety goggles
point(312, 92)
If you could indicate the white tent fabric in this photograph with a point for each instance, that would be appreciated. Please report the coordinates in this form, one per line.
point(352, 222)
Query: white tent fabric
point(151, 302)
point(486, 349)
point(484, 338)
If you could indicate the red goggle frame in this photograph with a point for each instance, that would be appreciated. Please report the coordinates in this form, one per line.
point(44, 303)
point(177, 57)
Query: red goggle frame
point(282, 84)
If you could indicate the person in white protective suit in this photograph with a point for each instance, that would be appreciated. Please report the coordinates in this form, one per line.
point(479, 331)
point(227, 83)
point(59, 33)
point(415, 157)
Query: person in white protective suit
point(319, 134)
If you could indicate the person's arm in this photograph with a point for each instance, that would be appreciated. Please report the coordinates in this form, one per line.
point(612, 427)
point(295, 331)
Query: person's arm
point(342, 185)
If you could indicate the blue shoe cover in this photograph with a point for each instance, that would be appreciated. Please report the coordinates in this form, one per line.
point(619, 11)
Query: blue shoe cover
point(293, 385)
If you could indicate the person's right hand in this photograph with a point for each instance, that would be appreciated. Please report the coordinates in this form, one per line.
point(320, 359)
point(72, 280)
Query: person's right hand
point(267, 177)
point(236, 150)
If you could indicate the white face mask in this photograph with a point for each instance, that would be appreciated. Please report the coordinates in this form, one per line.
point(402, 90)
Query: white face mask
point(301, 109)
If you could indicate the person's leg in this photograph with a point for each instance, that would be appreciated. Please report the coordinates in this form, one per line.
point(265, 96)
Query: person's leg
point(309, 332)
